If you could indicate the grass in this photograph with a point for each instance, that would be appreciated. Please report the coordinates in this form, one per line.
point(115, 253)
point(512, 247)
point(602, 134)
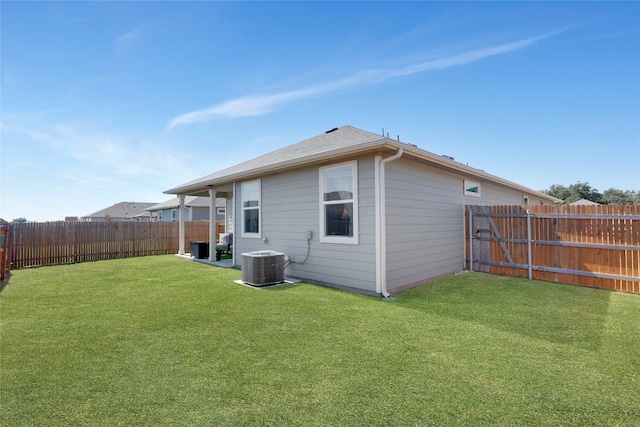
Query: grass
point(164, 341)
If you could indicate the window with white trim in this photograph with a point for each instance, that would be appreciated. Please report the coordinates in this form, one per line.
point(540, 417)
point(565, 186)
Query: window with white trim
point(174, 215)
point(251, 208)
point(525, 200)
point(471, 188)
point(339, 203)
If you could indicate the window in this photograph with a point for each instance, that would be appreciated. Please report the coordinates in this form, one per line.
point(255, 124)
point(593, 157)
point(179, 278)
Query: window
point(338, 203)
point(471, 188)
point(220, 211)
point(525, 200)
point(251, 208)
point(174, 214)
point(159, 215)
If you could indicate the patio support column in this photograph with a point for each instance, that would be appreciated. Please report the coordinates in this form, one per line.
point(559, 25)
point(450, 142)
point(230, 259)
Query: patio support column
point(181, 225)
point(212, 224)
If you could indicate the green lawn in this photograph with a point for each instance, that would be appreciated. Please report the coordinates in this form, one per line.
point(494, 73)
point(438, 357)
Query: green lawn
point(165, 341)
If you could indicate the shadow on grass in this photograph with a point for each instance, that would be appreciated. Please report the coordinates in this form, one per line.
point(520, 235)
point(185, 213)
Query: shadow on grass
point(561, 314)
point(5, 282)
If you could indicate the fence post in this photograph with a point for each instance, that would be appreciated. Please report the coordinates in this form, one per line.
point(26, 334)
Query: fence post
point(470, 238)
point(4, 249)
point(529, 241)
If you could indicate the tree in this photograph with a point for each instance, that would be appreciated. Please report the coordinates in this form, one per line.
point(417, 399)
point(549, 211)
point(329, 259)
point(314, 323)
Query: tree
point(614, 196)
point(575, 192)
point(582, 190)
point(558, 191)
point(20, 220)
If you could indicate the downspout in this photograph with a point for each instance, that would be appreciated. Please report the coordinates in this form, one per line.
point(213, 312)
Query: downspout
point(381, 223)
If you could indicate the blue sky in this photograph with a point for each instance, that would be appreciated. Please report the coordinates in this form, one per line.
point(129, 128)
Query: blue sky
point(103, 102)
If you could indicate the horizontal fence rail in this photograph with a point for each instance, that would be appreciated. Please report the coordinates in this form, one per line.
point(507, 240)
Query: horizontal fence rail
point(596, 246)
point(49, 243)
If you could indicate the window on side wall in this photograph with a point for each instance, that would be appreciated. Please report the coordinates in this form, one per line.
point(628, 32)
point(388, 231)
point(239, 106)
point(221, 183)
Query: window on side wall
point(174, 214)
point(472, 188)
point(339, 203)
point(251, 208)
point(525, 200)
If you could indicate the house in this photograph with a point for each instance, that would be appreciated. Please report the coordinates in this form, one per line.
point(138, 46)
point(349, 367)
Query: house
point(196, 208)
point(356, 210)
point(584, 202)
point(123, 211)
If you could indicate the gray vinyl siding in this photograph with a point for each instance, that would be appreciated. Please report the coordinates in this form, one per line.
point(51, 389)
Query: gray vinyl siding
point(166, 215)
point(290, 204)
point(425, 219)
point(199, 213)
point(194, 213)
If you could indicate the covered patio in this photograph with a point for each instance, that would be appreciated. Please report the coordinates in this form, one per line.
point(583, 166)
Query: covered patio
point(212, 193)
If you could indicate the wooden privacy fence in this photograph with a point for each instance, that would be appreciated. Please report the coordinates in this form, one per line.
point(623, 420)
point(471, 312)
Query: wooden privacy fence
point(5, 254)
point(47, 243)
point(596, 246)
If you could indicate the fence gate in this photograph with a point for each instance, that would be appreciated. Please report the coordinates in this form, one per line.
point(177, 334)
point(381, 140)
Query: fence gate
point(596, 246)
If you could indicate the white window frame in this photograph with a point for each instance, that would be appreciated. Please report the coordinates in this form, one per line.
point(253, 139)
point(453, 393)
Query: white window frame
point(348, 240)
point(472, 184)
point(525, 200)
point(220, 211)
point(243, 209)
point(174, 214)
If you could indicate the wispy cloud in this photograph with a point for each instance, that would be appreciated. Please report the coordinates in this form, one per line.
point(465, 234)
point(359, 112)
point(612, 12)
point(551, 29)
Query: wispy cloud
point(125, 40)
point(118, 155)
point(260, 104)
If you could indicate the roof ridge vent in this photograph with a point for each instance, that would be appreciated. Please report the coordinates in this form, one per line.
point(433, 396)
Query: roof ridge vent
point(331, 130)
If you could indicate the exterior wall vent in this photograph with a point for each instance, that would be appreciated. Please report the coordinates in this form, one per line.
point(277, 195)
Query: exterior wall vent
point(263, 268)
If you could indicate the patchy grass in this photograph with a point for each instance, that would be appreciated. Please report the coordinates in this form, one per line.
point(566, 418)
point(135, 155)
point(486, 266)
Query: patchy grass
point(163, 341)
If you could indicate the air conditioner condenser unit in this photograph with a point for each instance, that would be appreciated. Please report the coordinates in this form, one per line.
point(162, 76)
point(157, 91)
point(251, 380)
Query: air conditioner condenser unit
point(263, 268)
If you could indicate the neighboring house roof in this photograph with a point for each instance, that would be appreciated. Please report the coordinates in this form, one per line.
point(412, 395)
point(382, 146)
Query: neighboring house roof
point(584, 202)
point(189, 201)
point(121, 210)
point(332, 145)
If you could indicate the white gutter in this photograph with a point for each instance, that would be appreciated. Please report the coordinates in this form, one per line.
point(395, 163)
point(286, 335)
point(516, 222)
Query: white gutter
point(381, 223)
point(220, 178)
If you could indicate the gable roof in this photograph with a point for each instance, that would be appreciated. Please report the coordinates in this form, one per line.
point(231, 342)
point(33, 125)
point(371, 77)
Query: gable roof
point(327, 145)
point(121, 210)
point(330, 146)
